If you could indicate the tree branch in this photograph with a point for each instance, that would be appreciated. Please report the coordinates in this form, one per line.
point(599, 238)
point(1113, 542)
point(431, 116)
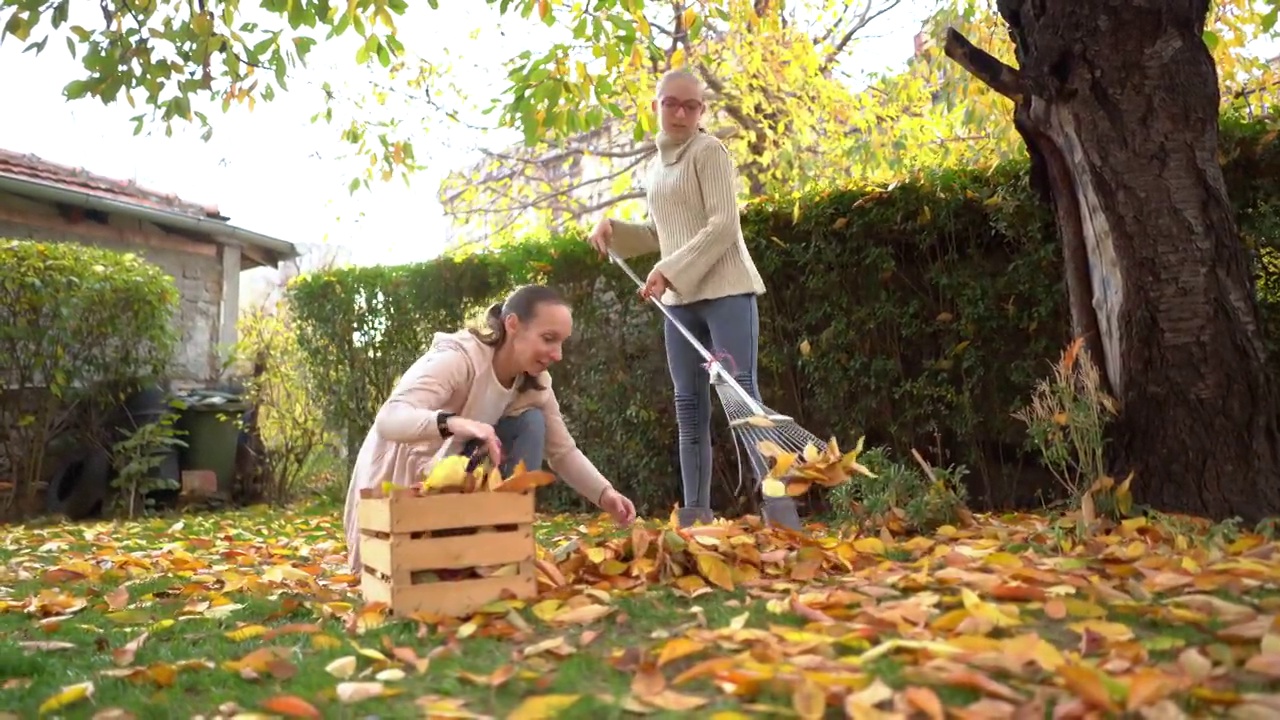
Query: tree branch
point(641, 149)
point(541, 199)
point(610, 202)
point(982, 65)
point(863, 20)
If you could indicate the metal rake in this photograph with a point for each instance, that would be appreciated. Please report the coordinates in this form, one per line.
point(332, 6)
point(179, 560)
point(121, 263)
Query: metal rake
point(753, 424)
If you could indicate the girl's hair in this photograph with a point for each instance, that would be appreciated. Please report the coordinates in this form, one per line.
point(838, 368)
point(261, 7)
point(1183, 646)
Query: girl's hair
point(679, 74)
point(523, 302)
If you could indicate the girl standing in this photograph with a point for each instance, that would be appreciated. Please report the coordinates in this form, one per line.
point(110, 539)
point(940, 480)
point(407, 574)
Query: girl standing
point(706, 276)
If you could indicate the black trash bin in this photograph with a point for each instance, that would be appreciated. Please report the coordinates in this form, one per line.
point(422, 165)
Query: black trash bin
point(148, 407)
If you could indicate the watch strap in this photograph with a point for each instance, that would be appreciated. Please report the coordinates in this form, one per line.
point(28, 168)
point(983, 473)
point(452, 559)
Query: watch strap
point(442, 423)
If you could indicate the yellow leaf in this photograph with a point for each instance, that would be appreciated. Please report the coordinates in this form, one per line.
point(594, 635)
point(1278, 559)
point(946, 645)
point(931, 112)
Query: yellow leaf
point(449, 472)
point(544, 8)
point(66, 696)
point(805, 348)
point(760, 421)
point(869, 545)
point(547, 609)
point(715, 570)
point(688, 17)
point(542, 707)
point(244, 633)
point(986, 611)
point(677, 648)
point(773, 488)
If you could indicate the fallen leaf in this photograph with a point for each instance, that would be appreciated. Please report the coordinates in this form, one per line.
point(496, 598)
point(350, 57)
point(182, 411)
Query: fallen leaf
point(290, 706)
point(542, 707)
point(67, 696)
point(354, 692)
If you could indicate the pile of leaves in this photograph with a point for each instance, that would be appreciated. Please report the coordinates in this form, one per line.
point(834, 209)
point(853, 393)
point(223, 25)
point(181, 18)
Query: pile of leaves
point(251, 614)
point(827, 467)
point(452, 475)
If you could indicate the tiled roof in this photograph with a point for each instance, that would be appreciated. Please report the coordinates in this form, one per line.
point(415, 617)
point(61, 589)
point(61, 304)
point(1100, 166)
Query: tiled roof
point(31, 167)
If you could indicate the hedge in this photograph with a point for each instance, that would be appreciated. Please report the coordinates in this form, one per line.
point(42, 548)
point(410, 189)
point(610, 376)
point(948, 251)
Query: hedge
point(83, 323)
point(920, 315)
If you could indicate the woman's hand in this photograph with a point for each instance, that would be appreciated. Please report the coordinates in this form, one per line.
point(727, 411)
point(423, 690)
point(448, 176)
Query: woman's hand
point(655, 285)
point(602, 236)
point(465, 429)
point(618, 506)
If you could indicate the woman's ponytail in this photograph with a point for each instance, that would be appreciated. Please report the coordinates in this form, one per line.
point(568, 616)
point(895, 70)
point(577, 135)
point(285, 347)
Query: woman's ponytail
point(494, 331)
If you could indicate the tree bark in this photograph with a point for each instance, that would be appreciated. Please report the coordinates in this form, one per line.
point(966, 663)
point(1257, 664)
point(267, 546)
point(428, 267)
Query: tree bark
point(1118, 103)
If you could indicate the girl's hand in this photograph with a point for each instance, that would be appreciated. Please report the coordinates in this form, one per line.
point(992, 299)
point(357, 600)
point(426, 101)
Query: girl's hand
point(602, 236)
point(655, 285)
point(465, 429)
point(618, 506)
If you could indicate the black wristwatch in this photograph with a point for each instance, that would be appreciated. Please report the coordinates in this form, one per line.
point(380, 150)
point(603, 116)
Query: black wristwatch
point(442, 423)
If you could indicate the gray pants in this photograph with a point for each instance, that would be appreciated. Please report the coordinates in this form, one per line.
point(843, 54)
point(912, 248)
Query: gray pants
point(730, 328)
point(523, 438)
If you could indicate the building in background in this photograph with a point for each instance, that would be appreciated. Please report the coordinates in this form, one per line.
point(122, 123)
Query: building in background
point(195, 243)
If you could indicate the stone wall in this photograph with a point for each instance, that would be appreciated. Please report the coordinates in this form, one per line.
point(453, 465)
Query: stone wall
point(195, 266)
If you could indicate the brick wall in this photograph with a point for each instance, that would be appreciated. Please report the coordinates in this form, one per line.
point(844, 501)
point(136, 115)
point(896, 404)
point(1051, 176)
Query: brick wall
point(198, 274)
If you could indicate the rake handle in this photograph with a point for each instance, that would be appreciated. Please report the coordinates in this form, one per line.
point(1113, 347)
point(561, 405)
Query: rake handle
point(714, 366)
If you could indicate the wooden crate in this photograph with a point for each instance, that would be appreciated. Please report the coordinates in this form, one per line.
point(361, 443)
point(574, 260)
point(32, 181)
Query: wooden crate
point(412, 545)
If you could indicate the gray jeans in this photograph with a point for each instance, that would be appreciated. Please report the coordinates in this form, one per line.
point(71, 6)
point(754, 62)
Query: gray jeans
point(523, 438)
point(727, 326)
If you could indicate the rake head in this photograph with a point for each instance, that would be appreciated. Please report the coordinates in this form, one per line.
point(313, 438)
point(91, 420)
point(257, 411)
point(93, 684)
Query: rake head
point(786, 458)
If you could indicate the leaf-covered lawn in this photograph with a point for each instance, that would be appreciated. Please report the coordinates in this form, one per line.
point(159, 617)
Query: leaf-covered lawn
point(250, 614)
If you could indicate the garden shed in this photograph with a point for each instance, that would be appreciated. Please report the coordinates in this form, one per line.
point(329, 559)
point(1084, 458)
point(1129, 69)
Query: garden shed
point(195, 243)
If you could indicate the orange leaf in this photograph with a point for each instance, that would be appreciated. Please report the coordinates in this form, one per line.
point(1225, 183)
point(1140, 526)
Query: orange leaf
point(809, 700)
point(291, 706)
point(1085, 682)
point(523, 482)
point(926, 701)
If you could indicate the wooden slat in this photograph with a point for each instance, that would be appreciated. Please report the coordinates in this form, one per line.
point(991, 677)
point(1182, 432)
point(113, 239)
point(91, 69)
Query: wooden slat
point(375, 589)
point(458, 510)
point(376, 554)
point(463, 597)
point(463, 551)
point(374, 514)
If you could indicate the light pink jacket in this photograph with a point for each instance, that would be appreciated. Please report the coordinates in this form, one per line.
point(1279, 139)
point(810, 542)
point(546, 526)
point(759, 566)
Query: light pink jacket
point(404, 442)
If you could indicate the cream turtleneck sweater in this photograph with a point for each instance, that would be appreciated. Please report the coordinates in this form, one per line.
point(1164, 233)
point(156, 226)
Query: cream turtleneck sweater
point(693, 222)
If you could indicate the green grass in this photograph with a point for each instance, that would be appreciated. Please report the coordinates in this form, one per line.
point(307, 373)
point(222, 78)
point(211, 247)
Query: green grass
point(285, 570)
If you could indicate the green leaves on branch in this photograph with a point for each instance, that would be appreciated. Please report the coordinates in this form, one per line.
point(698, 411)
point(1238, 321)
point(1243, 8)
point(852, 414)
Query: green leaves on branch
point(170, 54)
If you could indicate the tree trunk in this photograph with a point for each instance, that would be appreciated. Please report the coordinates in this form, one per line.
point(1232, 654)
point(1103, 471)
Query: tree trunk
point(1118, 103)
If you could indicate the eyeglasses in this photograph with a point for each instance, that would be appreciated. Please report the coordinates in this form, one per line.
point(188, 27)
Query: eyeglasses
point(690, 106)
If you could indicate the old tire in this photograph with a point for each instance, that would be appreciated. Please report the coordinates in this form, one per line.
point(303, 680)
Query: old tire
point(79, 486)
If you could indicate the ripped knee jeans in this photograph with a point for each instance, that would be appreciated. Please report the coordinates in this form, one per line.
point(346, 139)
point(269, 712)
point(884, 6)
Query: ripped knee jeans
point(729, 327)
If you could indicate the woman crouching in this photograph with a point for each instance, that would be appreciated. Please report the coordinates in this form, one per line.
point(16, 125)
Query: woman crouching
point(490, 386)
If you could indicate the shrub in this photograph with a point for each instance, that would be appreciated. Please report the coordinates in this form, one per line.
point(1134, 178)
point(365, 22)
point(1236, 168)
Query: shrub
point(1067, 421)
point(901, 499)
point(289, 418)
point(920, 316)
point(79, 326)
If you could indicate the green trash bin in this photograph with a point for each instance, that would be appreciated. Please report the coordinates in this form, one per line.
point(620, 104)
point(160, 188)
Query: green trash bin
point(211, 421)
